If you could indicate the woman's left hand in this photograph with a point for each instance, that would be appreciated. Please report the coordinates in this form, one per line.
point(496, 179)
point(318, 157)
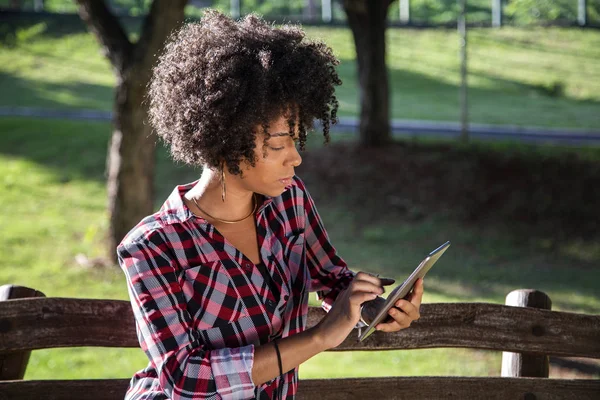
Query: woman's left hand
point(405, 311)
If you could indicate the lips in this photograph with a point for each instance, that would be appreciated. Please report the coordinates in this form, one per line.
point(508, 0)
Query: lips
point(286, 180)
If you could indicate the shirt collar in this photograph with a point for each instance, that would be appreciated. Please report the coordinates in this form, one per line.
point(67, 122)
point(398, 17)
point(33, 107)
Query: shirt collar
point(174, 209)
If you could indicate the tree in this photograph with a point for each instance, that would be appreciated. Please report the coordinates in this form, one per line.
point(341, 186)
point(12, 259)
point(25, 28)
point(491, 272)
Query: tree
point(368, 21)
point(130, 160)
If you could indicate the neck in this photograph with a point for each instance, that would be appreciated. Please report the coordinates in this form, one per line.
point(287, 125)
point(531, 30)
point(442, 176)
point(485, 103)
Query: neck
point(208, 194)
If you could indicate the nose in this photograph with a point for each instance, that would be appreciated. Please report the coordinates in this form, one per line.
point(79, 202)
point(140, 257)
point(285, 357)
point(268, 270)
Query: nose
point(294, 159)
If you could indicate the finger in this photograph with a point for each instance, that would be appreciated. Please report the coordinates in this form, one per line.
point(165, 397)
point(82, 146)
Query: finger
point(374, 279)
point(365, 276)
point(408, 308)
point(365, 286)
point(400, 321)
point(388, 326)
point(416, 295)
point(358, 298)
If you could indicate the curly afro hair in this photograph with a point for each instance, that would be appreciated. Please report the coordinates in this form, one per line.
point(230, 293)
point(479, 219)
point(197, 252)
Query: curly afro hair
point(219, 79)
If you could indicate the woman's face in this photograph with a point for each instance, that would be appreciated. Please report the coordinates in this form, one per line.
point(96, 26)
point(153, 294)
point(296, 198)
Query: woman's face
point(275, 163)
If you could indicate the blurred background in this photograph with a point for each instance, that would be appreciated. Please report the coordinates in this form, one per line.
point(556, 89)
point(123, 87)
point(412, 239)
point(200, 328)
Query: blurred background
point(476, 122)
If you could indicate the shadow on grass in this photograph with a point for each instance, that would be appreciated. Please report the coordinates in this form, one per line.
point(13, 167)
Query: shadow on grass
point(414, 95)
point(76, 150)
point(57, 24)
point(506, 101)
point(19, 92)
point(479, 38)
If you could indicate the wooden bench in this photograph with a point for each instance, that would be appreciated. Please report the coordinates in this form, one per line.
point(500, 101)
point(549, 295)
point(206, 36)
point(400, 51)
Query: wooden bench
point(29, 322)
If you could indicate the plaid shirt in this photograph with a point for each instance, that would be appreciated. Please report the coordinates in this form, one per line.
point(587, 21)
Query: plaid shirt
point(201, 306)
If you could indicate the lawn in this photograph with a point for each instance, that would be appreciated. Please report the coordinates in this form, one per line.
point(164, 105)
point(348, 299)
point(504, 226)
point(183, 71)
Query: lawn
point(53, 185)
point(518, 76)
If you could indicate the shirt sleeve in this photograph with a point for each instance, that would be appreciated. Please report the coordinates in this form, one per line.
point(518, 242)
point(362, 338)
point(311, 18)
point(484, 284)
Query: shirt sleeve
point(186, 368)
point(329, 273)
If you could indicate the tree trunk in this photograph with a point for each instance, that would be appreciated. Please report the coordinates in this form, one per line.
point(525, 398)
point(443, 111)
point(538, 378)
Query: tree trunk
point(368, 20)
point(130, 160)
point(16, 5)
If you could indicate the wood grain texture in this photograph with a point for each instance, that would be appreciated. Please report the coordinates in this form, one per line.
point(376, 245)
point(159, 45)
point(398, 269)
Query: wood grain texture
point(420, 388)
point(488, 326)
point(30, 324)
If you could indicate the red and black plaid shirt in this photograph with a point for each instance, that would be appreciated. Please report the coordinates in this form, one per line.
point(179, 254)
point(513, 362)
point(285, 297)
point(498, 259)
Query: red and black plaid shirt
point(201, 306)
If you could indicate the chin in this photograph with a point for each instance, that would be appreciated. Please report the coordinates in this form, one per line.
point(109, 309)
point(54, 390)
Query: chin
point(273, 192)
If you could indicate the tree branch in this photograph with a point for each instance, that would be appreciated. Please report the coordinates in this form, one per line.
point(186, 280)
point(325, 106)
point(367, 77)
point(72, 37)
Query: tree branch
point(108, 30)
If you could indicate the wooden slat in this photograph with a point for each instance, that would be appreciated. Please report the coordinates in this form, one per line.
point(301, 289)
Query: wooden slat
point(14, 363)
point(88, 389)
point(436, 388)
point(56, 322)
point(419, 388)
point(492, 327)
point(30, 324)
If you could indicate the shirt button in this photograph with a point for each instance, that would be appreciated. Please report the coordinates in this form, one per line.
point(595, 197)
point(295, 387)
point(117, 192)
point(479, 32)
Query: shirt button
point(286, 297)
point(271, 303)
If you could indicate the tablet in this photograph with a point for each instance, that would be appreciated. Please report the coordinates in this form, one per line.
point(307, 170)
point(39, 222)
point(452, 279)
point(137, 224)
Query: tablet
point(404, 289)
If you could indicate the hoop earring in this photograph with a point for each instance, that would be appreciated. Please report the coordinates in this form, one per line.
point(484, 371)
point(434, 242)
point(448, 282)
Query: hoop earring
point(223, 182)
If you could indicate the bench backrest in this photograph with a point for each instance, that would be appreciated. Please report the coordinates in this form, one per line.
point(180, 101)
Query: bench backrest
point(40, 323)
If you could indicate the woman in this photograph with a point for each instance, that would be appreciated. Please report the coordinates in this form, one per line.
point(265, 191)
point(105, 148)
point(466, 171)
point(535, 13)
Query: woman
point(219, 276)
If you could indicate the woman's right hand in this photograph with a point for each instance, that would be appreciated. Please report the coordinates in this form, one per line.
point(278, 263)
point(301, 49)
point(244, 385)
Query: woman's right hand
point(345, 312)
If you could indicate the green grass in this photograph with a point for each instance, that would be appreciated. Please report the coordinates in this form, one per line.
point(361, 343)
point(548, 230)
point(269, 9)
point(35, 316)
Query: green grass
point(518, 76)
point(52, 190)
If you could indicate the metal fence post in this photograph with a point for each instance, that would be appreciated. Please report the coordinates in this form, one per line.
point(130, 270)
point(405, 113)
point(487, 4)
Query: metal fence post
point(496, 13)
point(404, 11)
point(463, 89)
point(236, 7)
point(582, 12)
point(326, 15)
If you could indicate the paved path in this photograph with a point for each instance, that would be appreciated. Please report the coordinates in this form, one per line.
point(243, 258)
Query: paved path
point(401, 128)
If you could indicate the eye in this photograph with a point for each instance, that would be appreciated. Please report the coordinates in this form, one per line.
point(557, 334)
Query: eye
point(276, 148)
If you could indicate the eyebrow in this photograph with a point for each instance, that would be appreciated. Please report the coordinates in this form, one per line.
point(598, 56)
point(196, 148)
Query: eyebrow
point(278, 134)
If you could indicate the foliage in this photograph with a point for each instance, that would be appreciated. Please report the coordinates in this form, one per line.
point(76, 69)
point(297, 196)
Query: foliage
point(517, 12)
point(535, 11)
